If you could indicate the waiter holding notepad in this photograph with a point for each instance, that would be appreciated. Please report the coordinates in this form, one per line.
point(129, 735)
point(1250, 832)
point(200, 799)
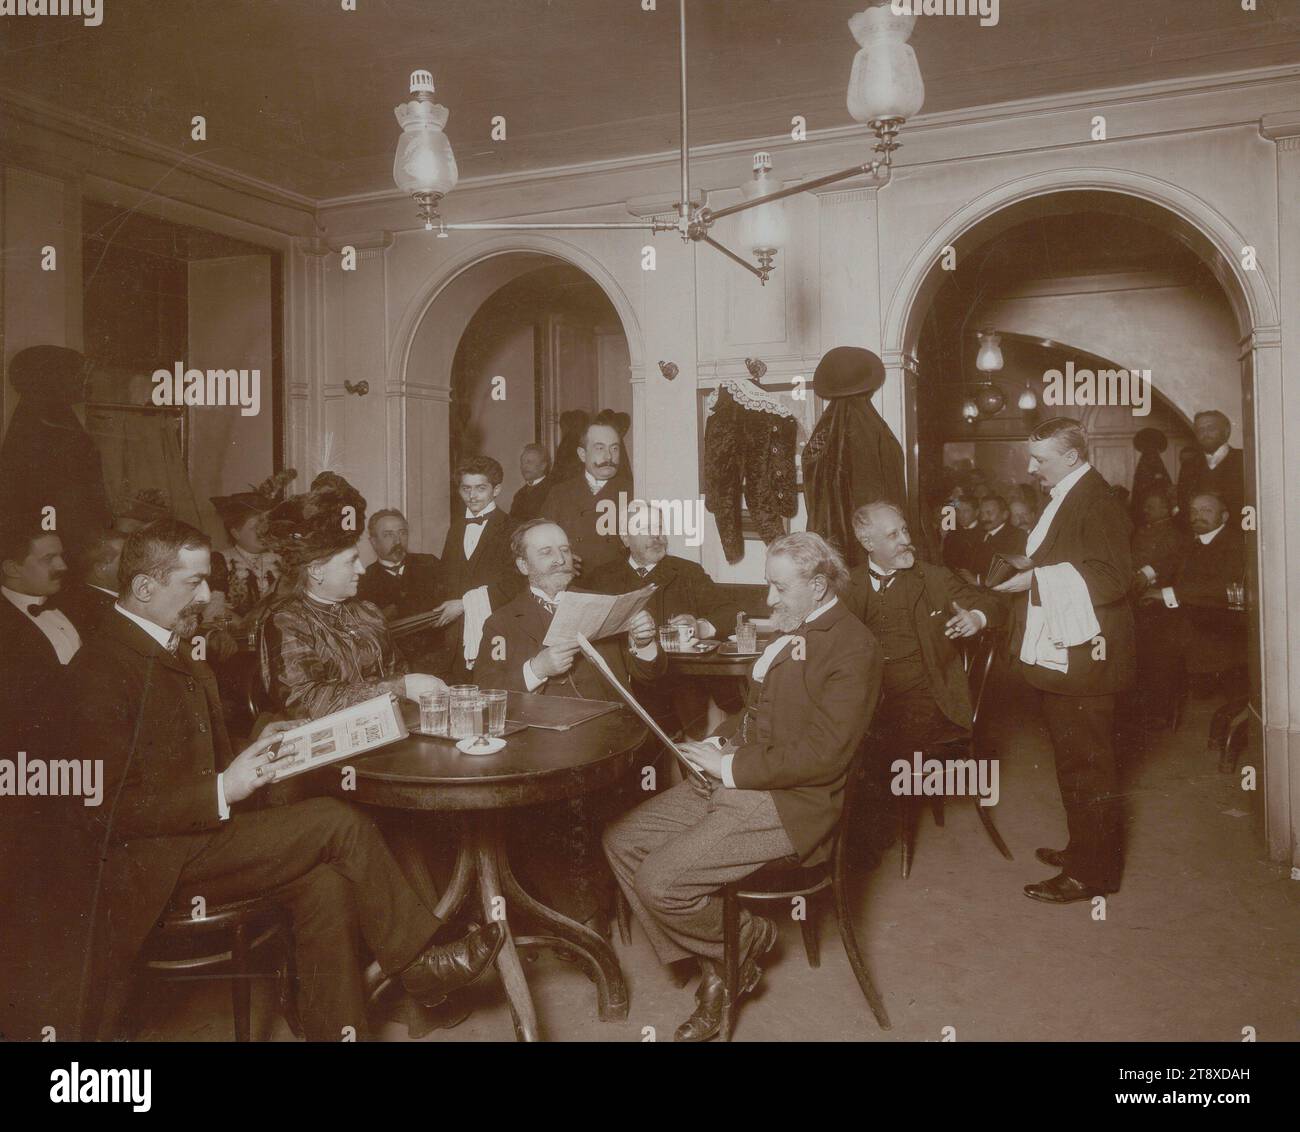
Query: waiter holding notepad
point(1072, 638)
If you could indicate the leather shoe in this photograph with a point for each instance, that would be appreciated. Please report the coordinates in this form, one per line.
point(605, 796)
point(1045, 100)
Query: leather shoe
point(705, 1022)
point(1052, 857)
point(1061, 889)
point(443, 968)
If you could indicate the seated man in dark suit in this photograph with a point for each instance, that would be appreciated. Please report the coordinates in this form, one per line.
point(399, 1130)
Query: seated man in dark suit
point(173, 829)
point(777, 782)
point(916, 611)
point(1202, 636)
point(514, 657)
point(684, 595)
point(997, 535)
point(90, 596)
point(478, 569)
point(402, 583)
point(535, 467)
point(586, 506)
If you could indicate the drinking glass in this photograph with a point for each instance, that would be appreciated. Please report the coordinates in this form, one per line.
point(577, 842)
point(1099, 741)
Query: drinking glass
point(1236, 595)
point(669, 638)
point(465, 711)
point(433, 712)
point(494, 711)
point(747, 637)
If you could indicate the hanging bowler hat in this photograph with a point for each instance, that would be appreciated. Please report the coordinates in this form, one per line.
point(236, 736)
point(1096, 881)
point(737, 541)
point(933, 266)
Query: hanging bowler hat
point(846, 370)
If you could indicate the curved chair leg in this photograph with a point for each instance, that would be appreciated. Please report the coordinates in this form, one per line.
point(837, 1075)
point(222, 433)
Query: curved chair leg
point(986, 820)
point(907, 832)
point(239, 979)
point(844, 917)
point(811, 944)
point(730, 959)
point(287, 987)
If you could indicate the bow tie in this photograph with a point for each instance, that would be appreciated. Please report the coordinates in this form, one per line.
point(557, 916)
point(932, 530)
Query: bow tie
point(35, 609)
point(475, 521)
point(883, 580)
point(396, 571)
point(644, 570)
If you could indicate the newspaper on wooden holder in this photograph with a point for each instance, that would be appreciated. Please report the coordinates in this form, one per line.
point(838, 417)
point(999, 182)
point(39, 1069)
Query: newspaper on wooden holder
point(599, 661)
point(594, 616)
point(341, 735)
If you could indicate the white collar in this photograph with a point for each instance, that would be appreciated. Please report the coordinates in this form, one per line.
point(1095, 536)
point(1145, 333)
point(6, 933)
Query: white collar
point(486, 511)
point(972, 526)
point(542, 594)
point(594, 483)
point(1062, 489)
point(534, 483)
point(990, 534)
point(816, 613)
point(22, 601)
point(1210, 536)
point(398, 566)
point(101, 589)
point(1216, 457)
point(165, 637)
point(631, 561)
point(877, 568)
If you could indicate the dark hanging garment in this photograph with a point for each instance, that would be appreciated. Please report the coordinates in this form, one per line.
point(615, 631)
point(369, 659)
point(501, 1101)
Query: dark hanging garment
point(749, 446)
point(852, 458)
point(48, 459)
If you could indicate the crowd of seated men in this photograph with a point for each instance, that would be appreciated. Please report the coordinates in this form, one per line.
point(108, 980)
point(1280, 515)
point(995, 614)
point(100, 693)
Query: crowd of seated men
point(110, 667)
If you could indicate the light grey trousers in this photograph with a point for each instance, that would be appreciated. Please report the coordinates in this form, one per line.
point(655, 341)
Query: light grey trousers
point(673, 854)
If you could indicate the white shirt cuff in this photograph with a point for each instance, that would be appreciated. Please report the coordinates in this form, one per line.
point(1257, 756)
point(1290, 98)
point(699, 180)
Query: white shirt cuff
point(647, 652)
point(531, 680)
point(223, 807)
point(727, 780)
point(1150, 572)
point(1167, 592)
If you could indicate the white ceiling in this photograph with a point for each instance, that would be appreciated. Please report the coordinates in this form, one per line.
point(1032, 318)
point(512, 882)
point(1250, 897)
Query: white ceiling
point(299, 93)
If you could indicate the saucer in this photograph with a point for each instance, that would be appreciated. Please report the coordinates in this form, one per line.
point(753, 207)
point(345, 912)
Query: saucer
point(473, 746)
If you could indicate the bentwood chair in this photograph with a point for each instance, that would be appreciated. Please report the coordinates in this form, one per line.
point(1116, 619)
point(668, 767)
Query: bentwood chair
point(780, 883)
point(977, 660)
point(223, 943)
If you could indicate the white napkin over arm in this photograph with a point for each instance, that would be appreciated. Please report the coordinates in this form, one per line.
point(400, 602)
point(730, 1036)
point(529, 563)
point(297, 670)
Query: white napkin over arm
point(1064, 617)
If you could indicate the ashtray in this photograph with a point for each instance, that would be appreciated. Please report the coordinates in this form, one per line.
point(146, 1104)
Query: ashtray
point(480, 745)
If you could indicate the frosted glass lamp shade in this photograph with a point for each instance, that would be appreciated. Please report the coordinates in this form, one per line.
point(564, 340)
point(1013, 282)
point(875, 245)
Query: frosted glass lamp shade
point(989, 358)
point(763, 229)
point(424, 162)
point(886, 80)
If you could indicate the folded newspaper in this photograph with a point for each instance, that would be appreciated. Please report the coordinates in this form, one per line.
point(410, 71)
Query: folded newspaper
point(341, 735)
point(594, 616)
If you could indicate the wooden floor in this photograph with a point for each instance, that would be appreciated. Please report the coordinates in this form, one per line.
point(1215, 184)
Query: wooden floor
point(1202, 941)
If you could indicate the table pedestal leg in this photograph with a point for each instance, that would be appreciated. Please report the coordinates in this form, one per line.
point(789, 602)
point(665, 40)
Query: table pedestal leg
point(484, 839)
point(587, 946)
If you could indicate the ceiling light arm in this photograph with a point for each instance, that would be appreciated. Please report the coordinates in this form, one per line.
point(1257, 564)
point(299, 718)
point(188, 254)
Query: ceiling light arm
point(761, 272)
point(876, 169)
point(515, 226)
point(684, 205)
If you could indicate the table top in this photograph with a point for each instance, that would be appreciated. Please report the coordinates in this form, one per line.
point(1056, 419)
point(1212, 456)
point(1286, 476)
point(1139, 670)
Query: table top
point(535, 766)
point(715, 662)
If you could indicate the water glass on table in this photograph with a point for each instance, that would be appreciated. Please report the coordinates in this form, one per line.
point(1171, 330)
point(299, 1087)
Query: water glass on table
point(433, 712)
point(669, 638)
point(494, 711)
point(465, 711)
point(1236, 595)
point(747, 637)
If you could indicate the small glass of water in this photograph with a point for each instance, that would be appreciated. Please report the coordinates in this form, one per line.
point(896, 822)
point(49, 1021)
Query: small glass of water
point(747, 637)
point(1236, 595)
point(465, 711)
point(433, 712)
point(494, 711)
point(669, 640)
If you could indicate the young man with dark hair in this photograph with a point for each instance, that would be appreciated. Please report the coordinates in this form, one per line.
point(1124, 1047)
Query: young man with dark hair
point(586, 506)
point(478, 567)
point(92, 590)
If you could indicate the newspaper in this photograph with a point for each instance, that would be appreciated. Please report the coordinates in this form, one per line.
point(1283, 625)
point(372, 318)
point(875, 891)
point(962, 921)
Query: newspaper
point(599, 661)
point(353, 731)
point(594, 616)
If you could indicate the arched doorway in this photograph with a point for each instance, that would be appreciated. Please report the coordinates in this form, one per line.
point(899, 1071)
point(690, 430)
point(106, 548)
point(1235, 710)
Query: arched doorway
point(424, 355)
point(1226, 255)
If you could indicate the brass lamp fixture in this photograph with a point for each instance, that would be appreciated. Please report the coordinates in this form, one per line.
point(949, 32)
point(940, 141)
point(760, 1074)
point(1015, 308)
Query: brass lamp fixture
point(885, 90)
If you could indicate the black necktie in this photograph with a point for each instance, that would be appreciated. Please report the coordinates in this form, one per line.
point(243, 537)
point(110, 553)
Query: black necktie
point(36, 609)
point(884, 580)
point(643, 570)
point(476, 520)
point(549, 606)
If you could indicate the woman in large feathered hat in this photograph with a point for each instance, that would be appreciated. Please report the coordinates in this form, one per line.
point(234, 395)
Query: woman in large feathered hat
point(322, 648)
point(247, 571)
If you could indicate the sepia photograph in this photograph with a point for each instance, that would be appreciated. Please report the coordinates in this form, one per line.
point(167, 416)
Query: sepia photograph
point(737, 522)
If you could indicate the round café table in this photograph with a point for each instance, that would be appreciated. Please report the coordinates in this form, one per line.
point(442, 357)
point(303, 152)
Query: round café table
point(429, 775)
point(715, 662)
